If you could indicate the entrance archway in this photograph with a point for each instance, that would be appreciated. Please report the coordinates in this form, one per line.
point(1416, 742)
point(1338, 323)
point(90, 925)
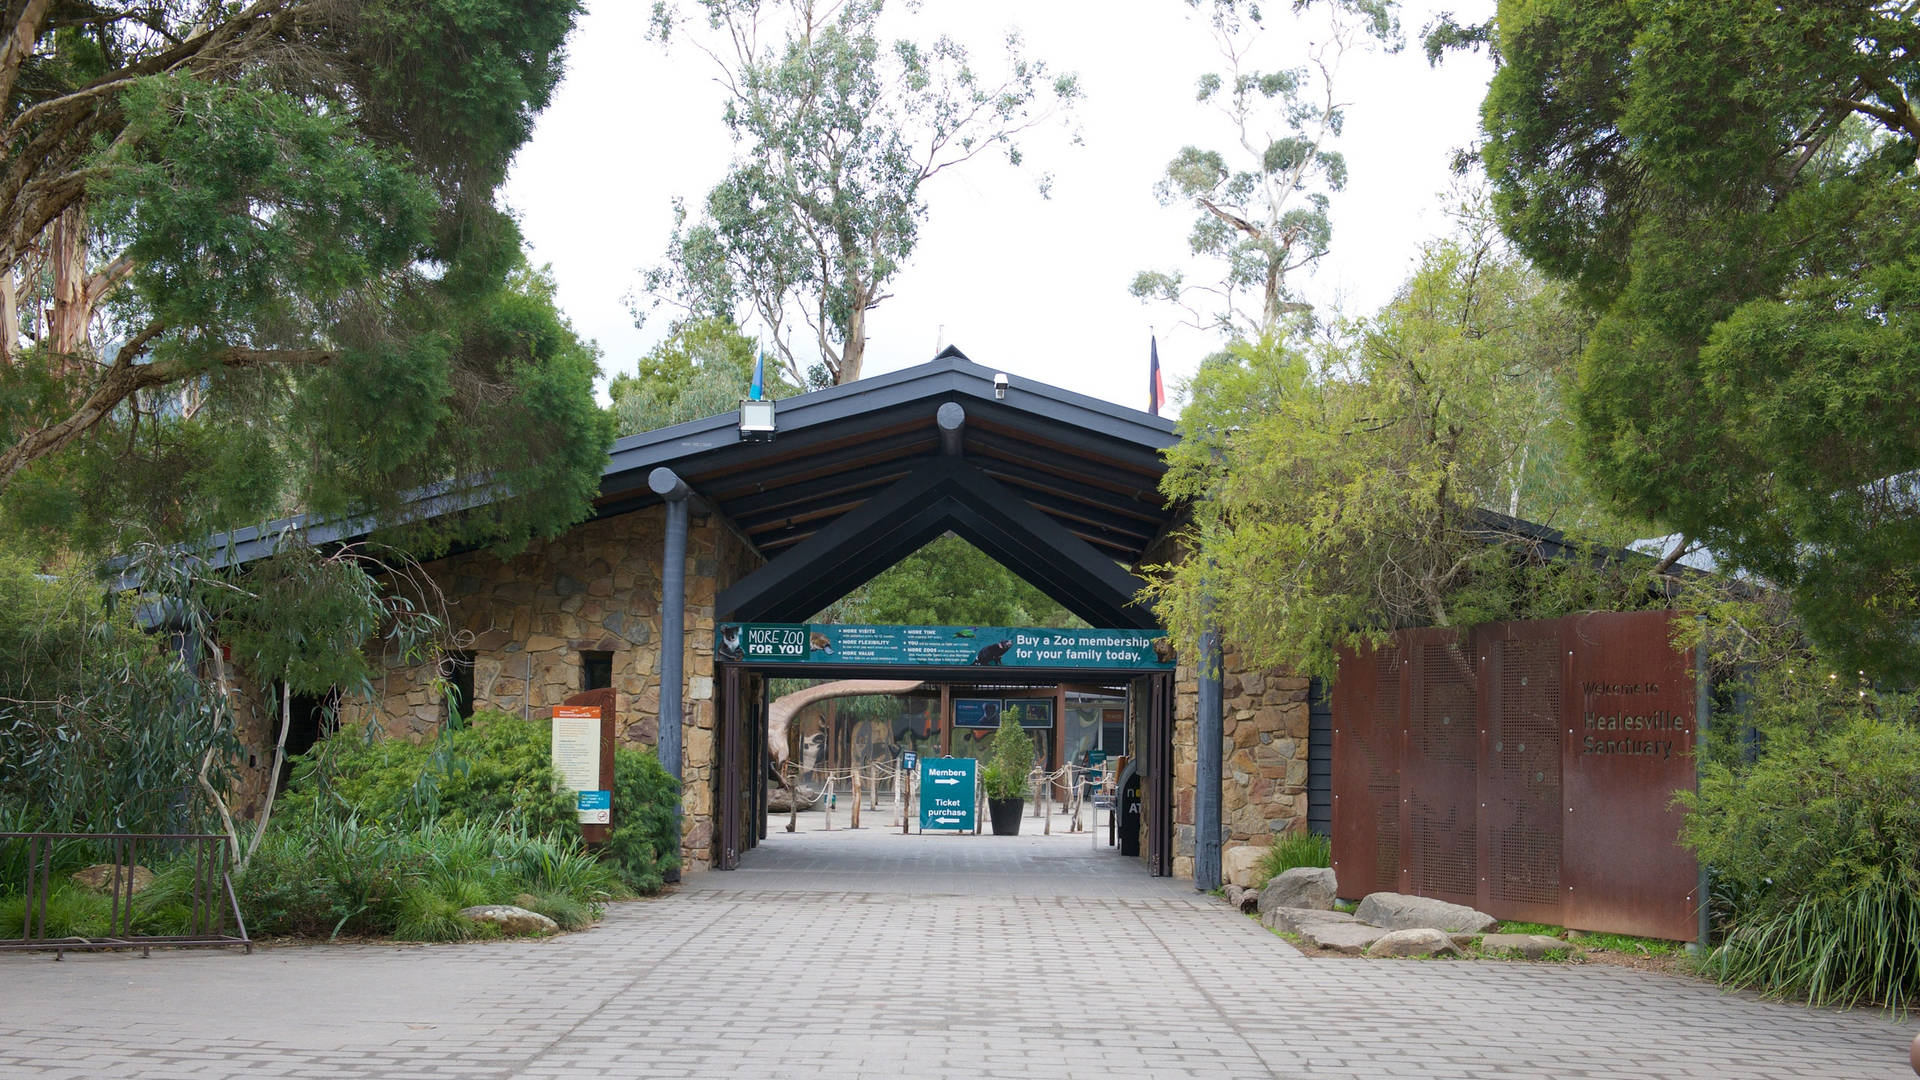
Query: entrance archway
point(741, 746)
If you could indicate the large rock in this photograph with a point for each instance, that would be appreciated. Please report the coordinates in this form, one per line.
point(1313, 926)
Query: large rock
point(1241, 865)
point(1405, 943)
point(510, 919)
point(1300, 887)
point(1529, 946)
point(1334, 930)
point(108, 878)
point(1398, 911)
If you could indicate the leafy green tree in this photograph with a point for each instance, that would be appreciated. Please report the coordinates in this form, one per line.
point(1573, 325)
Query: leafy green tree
point(1262, 204)
point(1339, 491)
point(1732, 187)
point(702, 369)
point(252, 263)
point(950, 582)
point(838, 133)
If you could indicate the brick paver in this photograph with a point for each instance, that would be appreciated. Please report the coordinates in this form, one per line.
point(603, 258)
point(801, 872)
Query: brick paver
point(875, 955)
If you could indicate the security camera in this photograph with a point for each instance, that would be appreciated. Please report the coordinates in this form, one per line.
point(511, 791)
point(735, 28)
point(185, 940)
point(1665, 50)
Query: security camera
point(1000, 385)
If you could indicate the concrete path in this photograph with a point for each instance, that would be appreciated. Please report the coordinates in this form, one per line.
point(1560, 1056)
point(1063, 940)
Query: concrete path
point(870, 954)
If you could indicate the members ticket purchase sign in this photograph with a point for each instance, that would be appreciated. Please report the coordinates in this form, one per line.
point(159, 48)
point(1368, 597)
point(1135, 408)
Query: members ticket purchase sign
point(944, 646)
point(946, 793)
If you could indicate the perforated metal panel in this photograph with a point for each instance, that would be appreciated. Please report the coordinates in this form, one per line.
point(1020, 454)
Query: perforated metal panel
point(1366, 773)
point(1523, 770)
point(1439, 770)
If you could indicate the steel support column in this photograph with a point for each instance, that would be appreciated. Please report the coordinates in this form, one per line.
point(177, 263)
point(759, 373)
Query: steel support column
point(1209, 725)
point(673, 621)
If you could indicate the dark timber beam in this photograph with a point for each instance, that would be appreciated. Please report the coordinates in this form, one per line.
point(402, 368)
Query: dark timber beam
point(814, 558)
point(1097, 575)
point(941, 494)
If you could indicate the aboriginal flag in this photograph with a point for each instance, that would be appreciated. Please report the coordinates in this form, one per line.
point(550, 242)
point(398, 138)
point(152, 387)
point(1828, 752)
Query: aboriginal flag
point(1156, 387)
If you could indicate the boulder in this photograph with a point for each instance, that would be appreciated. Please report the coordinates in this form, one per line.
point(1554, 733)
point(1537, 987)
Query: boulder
point(510, 919)
point(1241, 865)
point(1528, 946)
point(1398, 911)
point(1334, 930)
point(108, 878)
point(1408, 943)
point(1300, 887)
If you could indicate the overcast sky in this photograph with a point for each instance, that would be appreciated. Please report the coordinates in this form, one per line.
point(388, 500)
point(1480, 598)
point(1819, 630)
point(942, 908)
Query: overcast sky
point(1035, 287)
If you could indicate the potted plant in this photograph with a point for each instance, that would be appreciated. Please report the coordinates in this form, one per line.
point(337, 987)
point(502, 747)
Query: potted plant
point(1004, 774)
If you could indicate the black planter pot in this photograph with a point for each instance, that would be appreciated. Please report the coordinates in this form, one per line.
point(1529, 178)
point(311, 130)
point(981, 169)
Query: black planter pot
point(1005, 815)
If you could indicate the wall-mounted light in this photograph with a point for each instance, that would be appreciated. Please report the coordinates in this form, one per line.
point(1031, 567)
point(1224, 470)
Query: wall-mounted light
point(1000, 385)
point(756, 421)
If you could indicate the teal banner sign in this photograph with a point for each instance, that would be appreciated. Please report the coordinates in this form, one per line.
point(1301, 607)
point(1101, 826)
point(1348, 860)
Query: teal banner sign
point(944, 646)
point(946, 793)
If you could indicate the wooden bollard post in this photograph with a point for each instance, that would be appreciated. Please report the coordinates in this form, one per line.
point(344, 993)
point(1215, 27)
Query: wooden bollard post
point(979, 803)
point(899, 808)
point(793, 800)
point(1046, 804)
point(856, 797)
point(826, 802)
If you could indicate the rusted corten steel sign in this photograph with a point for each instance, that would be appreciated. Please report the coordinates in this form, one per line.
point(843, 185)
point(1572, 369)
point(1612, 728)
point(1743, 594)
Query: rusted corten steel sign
point(1526, 769)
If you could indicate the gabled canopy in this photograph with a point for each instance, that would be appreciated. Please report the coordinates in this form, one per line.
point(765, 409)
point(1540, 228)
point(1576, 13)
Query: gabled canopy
point(1063, 489)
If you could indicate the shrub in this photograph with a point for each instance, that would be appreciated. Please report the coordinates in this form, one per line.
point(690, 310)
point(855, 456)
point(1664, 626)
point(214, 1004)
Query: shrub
point(1009, 762)
point(496, 768)
point(320, 878)
point(644, 843)
point(1293, 849)
point(379, 836)
point(1817, 846)
point(71, 912)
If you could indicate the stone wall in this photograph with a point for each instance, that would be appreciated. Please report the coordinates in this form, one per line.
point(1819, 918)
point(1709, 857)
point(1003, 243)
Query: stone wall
point(1264, 728)
point(527, 620)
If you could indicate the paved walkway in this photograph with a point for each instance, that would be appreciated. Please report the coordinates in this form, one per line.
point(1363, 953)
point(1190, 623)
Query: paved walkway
point(870, 954)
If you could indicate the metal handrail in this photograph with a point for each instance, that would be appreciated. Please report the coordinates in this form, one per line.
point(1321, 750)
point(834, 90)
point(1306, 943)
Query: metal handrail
point(207, 920)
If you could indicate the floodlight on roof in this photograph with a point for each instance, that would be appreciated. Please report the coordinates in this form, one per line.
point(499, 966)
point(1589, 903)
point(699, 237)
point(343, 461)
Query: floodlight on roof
point(756, 421)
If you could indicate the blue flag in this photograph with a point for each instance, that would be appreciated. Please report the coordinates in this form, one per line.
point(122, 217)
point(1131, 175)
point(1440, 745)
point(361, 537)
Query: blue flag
point(759, 387)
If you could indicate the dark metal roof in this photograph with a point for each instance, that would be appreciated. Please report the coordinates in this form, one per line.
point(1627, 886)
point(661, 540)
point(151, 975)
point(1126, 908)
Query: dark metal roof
point(1088, 465)
point(1092, 466)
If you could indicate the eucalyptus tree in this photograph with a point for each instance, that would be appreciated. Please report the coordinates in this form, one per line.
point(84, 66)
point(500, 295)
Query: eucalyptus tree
point(838, 132)
point(251, 262)
point(1262, 202)
point(1732, 186)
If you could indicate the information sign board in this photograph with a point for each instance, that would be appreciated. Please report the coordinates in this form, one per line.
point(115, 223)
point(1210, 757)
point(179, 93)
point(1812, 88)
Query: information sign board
point(908, 759)
point(576, 757)
point(946, 793)
point(944, 646)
